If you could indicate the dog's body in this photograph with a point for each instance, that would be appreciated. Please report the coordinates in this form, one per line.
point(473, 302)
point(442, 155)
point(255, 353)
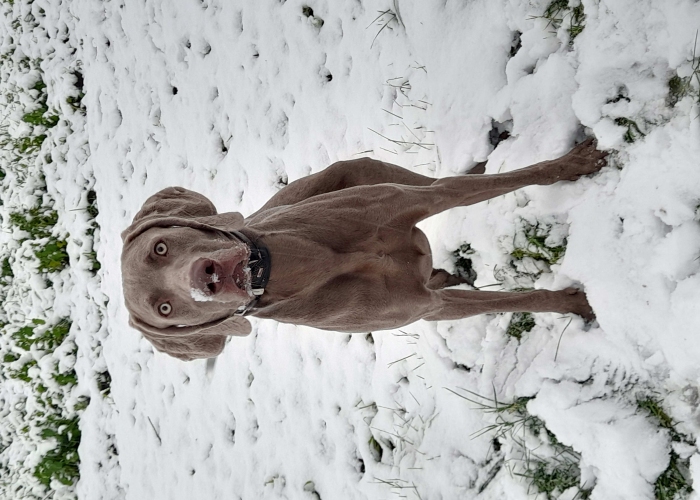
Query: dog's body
point(344, 250)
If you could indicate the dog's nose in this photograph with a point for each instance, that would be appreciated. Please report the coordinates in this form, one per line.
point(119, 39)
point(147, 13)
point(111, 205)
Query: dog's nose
point(203, 276)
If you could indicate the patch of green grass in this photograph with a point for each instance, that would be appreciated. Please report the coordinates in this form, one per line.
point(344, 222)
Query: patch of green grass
point(653, 407)
point(559, 11)
point(673, 483)
point(679, 87)
point(69, 378)
point(509, 416)
point(49, 339)
point(553, 478)
point(76, 102)
point(633, 131)
point(41, 116)
point(28, 145)
point(23, 372)
point(52, 255)
point(550, 475)
point(36, 221)
point(50, 421)
point(82, 403)
point(39, 223)
point(61, 463)
point(520, 323)
point(10, 357)
point(534, 244)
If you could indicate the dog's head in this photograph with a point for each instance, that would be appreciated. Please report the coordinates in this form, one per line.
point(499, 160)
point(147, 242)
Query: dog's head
point(184, 276)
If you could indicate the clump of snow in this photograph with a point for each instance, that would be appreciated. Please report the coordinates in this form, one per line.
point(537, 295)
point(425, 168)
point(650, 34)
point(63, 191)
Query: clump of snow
point(200, 296)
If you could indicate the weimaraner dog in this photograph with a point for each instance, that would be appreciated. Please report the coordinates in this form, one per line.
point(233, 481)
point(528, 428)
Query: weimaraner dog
point(338, 250)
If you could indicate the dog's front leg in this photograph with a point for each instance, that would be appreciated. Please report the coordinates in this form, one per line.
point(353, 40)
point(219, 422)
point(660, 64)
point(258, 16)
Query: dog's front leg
point(584, 159)
point(455, 304)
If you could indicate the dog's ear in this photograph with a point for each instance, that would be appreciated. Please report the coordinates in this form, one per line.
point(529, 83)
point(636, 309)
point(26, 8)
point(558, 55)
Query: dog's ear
point(177, 206)
point(193, 342)
point(176, 202)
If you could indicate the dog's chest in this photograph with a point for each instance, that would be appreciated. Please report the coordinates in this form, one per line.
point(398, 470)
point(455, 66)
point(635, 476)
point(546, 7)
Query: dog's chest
point(301, 264)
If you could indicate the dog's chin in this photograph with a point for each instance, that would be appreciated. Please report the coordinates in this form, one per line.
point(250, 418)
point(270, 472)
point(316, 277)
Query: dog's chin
point(241, 277)
point(235, 281)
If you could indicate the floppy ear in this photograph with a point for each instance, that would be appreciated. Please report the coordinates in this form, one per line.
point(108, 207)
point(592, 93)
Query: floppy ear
point(177, 206)
point(198, 347)
point(193, 342)
point(178, 202)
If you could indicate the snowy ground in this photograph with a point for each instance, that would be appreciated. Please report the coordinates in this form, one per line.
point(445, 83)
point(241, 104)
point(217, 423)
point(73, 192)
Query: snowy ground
point(234, 99)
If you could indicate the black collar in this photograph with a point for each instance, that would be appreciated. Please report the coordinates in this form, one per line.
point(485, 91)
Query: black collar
point(259, 264)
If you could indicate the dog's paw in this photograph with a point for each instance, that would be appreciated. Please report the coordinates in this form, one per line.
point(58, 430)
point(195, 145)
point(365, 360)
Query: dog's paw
point(578, 304)
point(584, 159)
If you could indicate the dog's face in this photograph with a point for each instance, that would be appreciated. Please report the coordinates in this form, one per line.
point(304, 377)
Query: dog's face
point(184, 276)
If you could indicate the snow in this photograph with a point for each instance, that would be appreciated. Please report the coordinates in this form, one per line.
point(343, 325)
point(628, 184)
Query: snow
point(235, 99)
point(199, 296)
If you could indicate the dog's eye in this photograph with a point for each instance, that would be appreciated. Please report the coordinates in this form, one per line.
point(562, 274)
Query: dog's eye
point(161, 248)
point(165, 308)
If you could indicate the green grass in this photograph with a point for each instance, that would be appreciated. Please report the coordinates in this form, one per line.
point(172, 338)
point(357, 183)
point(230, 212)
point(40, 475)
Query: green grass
point(52, 255)
point(38, 336)
point(49, 418)
point(62, 462)
point(510, 417)
point(553, 478)
point(534, 244)
point(548, 475)
point(38, 223)
point(41, 116)
point(22, 373)
point(559, 12)
point(679, 87)
point(673, 483)
point(41, 411)
point(26, 145)
point(520, 323)
point(633, 131)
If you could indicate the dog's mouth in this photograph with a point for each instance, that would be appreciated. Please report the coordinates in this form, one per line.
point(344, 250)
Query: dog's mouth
point(241, 276)
point(221, 279)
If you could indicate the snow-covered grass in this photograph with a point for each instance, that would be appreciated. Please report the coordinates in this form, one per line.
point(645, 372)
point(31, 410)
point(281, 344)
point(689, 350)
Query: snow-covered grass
point(40, 399)
point(106, 102)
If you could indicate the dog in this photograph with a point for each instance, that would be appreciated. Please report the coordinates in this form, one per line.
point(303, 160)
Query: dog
point(338, 250)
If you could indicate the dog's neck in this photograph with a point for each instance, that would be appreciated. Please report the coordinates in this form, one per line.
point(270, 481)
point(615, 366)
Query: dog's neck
point(259, 265)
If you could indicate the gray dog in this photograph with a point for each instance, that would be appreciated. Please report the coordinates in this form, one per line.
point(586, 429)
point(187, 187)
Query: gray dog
point(338, 250)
